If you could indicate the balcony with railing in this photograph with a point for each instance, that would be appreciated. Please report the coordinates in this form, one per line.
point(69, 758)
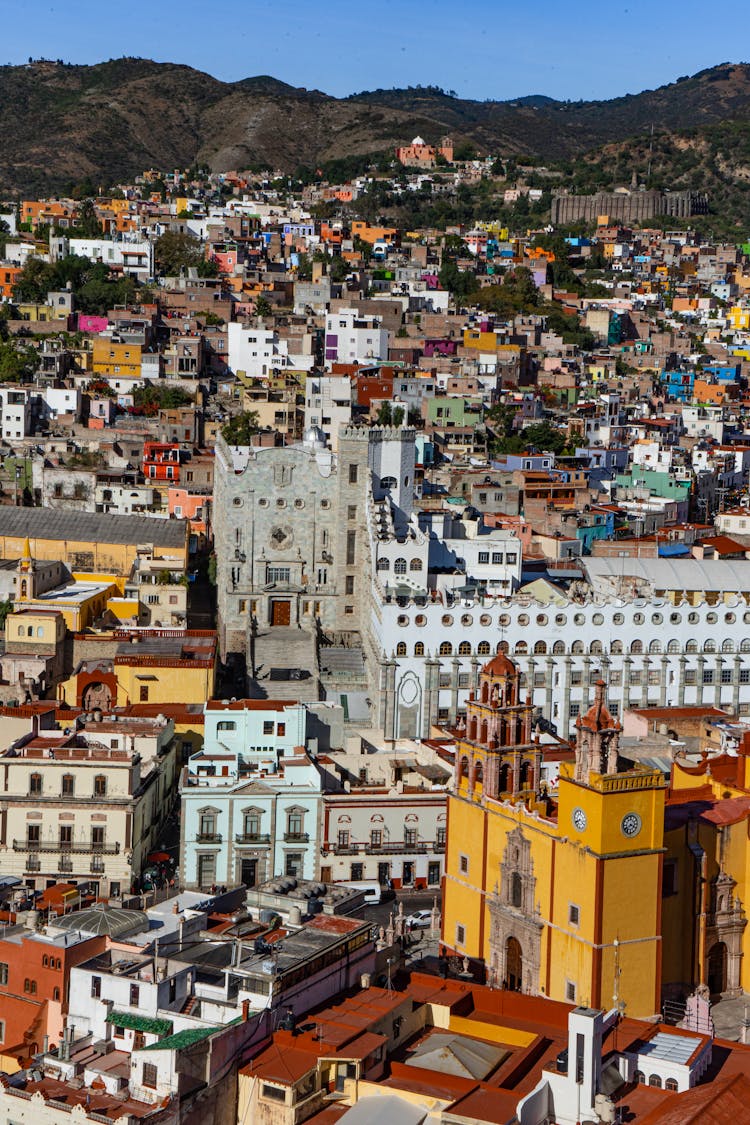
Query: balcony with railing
point(208, 838)
point(66, 847)
point(252, 838)
point(296, 837)
point(385, 847)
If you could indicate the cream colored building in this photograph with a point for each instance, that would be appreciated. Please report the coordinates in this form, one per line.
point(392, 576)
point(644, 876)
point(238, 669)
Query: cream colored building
point(86, 804)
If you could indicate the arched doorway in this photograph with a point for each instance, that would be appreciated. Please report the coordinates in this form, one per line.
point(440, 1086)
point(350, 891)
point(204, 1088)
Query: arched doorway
point(513, 965)
point(717, 969)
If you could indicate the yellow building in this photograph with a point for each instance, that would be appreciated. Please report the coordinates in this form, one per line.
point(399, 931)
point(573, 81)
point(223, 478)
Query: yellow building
point(136, 667)
point(707, 875)
point(557, 897)
point(112, 358)
point(91, 543)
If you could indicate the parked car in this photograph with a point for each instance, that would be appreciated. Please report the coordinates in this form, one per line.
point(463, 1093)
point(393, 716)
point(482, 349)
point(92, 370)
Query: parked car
point(419, 920)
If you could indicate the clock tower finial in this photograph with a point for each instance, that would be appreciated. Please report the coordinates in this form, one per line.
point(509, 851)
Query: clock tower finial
point(597, 738)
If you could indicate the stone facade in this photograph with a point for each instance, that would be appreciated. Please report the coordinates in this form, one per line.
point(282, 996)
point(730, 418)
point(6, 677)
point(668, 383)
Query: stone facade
point(289, 527)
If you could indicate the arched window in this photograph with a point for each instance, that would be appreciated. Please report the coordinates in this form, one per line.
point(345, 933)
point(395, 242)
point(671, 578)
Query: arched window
point(55, 993)
point(401, 648)
point(558, 648)
point(616, 648)
point(463, 768)
point(636, 648)
point(691, 646)
point(384, 563)
point(503, 646)
point(673, 646)
point(639, 1077)
point(226, 724)
point(655, 1081)
point(399, 566)
point(45, 960)
point(464, 649)
point(540, 648)
point(419, 648)
point(20, 630)
point(671, 1084)
point(30, 631)
point(727, 646)
point(596, 648)
point(446, 649)
point(745, 645)
point(654, 647)
point(516, 889)
point(709, 646)
point(577, 648)
point(483, 648)
point(40, 630)
point(521, 648)
point(415, 564)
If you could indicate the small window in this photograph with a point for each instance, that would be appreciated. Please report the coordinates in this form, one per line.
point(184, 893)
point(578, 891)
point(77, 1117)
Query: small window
point(35, 783)
point(226, 724)
point(570, 991)
point(574, 914)
point(3, 972)
point(353, 473)
point(150, 1075)
point(100, 785)
point(96, 987)
point(68, 785)
point(460, 935)
point(135, 995)
point(463, 864)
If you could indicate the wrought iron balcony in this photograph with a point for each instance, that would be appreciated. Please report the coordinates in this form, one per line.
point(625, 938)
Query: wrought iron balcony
point(253, 837)
point(208, 838)
point(296, 837)
point(59, 847)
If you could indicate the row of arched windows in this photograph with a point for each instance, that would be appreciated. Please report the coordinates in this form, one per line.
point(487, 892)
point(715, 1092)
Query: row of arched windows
point(655, 1081)
point(399, 565)
point(578, 648)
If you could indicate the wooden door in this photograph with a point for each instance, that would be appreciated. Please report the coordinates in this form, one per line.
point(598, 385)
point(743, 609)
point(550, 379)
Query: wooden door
point(281, 612)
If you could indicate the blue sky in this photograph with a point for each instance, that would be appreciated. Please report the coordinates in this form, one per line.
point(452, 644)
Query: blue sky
point(479, 48)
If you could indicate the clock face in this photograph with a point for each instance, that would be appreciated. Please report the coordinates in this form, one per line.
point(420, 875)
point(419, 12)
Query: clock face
point(630, 825)
point(579, 819)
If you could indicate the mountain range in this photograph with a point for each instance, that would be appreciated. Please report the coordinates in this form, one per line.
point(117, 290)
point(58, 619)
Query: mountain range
point(62, 124)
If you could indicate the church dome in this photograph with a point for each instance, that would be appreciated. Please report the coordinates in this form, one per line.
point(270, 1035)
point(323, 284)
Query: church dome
point(500, 665)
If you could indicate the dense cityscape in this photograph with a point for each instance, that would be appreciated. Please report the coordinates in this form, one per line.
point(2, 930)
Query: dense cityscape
point(375, 672)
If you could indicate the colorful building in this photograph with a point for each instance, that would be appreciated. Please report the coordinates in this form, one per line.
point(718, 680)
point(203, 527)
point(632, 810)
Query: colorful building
point(558, 896)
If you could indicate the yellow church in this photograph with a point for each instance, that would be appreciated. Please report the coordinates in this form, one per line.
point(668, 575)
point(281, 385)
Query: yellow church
point(559, 896)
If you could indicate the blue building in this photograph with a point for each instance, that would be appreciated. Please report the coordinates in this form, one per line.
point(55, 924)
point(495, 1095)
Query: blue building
point(251, 798)
point(678, 384)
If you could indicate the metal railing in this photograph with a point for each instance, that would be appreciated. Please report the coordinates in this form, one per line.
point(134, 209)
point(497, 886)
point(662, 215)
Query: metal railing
point(60, 847)
point(296, 837)
point(252, 838)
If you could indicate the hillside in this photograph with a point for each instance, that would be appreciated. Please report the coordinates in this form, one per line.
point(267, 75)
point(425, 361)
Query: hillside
point(60, 124)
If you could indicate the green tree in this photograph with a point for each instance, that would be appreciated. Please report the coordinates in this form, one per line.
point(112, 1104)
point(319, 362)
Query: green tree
point(398, 416)
point(384, 416)
point(17, 362)
point(240, 429)
point(263, 306)
point(175, 251)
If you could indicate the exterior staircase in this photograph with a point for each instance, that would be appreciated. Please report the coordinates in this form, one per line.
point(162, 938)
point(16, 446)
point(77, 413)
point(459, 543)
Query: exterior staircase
point(280, 652)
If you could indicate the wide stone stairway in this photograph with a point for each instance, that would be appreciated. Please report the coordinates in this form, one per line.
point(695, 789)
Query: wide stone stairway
point(281, 653)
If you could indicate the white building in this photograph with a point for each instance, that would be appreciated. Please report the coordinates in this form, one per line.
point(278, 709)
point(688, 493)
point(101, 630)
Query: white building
point(353, 338)
point(328, 404)
point(257, 352)
point(15, 412)
point(133, 258)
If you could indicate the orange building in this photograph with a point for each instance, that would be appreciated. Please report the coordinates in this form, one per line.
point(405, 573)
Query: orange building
point(34, 976)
